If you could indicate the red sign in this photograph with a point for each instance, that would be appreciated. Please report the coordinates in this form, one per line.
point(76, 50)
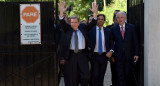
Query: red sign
point(30, 14)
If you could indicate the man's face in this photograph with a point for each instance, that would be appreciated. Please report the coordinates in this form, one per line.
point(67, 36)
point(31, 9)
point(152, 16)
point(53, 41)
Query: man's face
point(115, 21)
point(74, 23)
point(121, 19)
point(100, 21)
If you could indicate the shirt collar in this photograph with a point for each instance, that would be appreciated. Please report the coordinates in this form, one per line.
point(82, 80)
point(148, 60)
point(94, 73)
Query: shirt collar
point(123, 25)
point(77, 29)
point(98, 28)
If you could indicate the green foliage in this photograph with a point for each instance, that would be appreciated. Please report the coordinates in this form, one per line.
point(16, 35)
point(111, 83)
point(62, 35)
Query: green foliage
point(115, 5)
point(100, 3)
point(26, 0)
point(81, 8)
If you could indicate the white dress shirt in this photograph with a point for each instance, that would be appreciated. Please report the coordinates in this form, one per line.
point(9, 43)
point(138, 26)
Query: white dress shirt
point(97, 40)
point(81, 40)
point(123, 27)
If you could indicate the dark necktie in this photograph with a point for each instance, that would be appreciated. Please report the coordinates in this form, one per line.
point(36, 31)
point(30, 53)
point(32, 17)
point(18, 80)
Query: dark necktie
point(122, 32)
point(76, 42)
point(100, 42)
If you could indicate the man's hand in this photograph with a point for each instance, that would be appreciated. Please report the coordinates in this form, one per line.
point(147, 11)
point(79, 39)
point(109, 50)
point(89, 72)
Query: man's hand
point(136, 58)
point(109, 54)
point(62, 62)
point(94, 9)
point(113, 59)
point(62, 8)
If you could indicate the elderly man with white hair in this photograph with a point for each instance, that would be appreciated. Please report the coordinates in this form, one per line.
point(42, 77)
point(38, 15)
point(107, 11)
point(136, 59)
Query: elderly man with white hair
point(125, 49)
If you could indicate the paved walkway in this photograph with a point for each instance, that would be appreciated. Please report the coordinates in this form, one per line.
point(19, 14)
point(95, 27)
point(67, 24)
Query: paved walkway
point(107, 80)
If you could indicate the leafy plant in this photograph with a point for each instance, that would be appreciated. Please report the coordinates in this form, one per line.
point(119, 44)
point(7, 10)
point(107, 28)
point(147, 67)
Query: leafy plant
point(81, 8)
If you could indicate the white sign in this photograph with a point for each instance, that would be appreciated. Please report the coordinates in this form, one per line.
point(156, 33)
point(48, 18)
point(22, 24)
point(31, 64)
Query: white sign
point(30, 25)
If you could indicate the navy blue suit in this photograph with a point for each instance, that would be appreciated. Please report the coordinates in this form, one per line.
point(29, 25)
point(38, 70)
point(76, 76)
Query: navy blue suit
point(124, 52)
point(99, 62)
point(108, 38)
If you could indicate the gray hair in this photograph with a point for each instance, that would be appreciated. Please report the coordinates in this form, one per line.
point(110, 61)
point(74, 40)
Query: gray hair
point(125, 16)
point(74, 17)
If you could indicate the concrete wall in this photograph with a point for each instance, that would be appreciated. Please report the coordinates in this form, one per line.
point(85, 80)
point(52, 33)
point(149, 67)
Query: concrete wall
point(152, 43)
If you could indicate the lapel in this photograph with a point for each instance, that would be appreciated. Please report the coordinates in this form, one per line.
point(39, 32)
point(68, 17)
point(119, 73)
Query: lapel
point(69, 34)
point(105, 35)
point(105, 32)
point(118, 32)
point(82, 31)
point(126, 30)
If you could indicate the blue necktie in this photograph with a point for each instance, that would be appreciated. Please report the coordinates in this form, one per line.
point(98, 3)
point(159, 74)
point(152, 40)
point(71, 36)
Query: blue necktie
point(100, 42)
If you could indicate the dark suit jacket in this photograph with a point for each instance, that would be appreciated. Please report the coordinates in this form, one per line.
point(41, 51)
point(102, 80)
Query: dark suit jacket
point(110, 26)
point(108, 38)
point(128, 45)
point(69, 31)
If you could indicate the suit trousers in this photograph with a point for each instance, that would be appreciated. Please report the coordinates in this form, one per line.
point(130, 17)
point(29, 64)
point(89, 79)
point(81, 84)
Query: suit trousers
point(98, 69)
point(77, 64)
point(124, 71)
point(113, 71)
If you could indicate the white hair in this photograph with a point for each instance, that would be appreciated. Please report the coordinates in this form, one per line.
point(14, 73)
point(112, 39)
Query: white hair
point(125, 16)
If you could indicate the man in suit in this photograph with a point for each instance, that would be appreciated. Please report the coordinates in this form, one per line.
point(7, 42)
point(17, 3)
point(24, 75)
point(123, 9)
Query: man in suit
point(125, 49)
point(77, 43)
point(102, 47)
